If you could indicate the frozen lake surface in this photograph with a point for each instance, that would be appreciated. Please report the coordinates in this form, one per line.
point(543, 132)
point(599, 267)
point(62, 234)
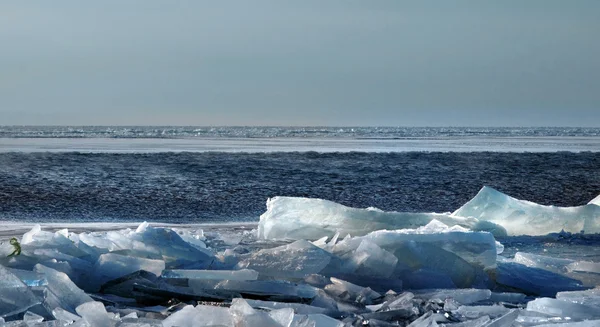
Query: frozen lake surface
point(294, 144)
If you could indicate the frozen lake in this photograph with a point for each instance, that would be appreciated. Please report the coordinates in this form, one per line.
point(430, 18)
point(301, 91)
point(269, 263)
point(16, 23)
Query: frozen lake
point(287, 144)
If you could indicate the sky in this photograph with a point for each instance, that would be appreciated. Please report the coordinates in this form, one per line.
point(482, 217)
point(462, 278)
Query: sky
point(309, 62)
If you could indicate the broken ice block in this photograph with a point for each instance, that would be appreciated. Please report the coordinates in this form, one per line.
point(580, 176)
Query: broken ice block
point(351, 292)
point(371, 260)
point(63, 293)
point(555, 265)
point(462, 296)
point(584, 266)
point(588, 297)
point(473, 312)
point(110, 266)
point(242, 274)
point(315, 320)
point(95, 313)
point(294, 260)
point(244, 315)
point(521, 217)
point(15, 296)
point(305, 218)
point(297, 307)
point(560, 308)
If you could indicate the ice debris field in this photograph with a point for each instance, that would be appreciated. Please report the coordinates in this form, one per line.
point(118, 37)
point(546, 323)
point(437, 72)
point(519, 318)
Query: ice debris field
point(311, 263)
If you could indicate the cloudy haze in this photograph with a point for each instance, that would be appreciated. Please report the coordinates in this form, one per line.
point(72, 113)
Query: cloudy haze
point(310, 62)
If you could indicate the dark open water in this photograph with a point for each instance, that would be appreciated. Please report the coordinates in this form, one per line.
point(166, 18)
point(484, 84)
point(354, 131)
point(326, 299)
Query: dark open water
point(203, 187)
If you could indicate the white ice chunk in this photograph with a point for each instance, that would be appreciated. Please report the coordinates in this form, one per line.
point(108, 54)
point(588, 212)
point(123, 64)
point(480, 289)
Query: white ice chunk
point(15, 296)
point(315, 320)
point(95, 313)
point(294, 260)
point(297, 307)
point(371, 260)
point(584, 266)
point(29, 236)
point(111, 266)
point(242, 274)
point(62, 292)
point(201, 315)
point(521, 217)
point(352, 292)
point(31, 318)
point(474, 312)
point(506, 320)
point(305, 218)
point(588, 297)
point(560, 308)
point(244, 315)
point(556, 265)
point(595, 201)
point(463, 296)
point(508, 297)
point(64, 315)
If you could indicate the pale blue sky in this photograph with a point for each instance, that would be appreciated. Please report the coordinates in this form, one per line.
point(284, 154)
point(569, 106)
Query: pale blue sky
point(309, 62)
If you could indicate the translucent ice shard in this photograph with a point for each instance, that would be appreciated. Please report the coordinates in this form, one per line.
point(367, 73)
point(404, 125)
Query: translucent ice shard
point(304, 218)
point(294, 260)
point(521, 217)
point(62, 292)
point(15, 296)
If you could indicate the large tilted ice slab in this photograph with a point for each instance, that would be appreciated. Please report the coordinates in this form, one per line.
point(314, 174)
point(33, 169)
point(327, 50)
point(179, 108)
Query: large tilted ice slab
point(430, 256)
point(311, 219)
point(595, 201)
point(520, 217)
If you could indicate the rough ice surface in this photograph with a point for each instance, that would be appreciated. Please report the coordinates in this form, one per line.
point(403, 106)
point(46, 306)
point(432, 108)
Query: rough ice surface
point(309, 264)
point(311, 219)
point(520, 217)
